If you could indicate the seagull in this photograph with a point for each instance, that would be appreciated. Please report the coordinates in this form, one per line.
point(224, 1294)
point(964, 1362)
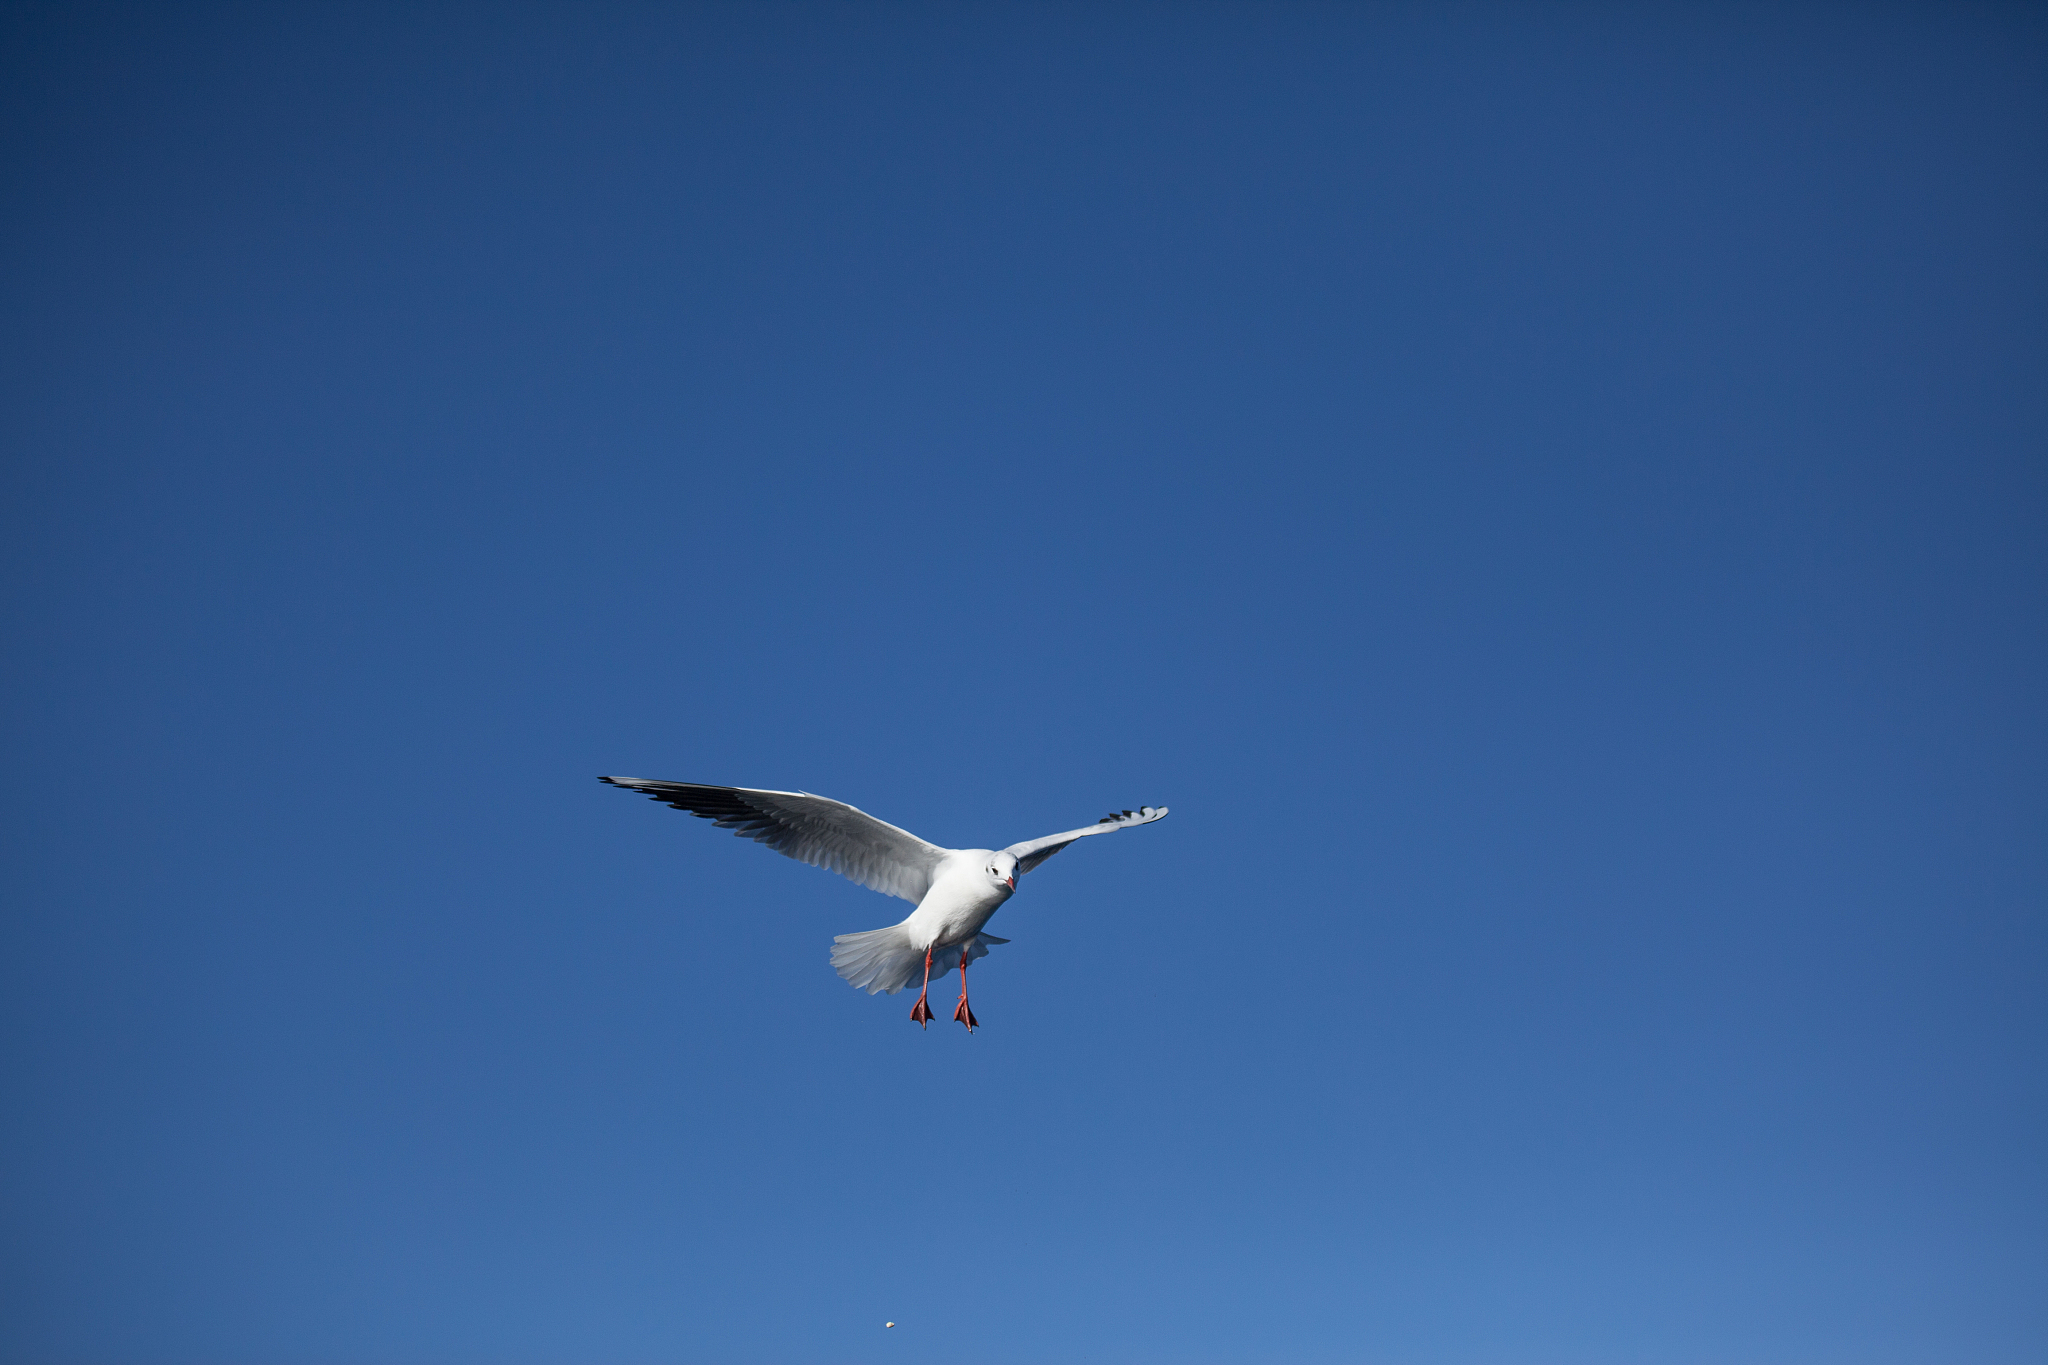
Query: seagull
point(955, 890)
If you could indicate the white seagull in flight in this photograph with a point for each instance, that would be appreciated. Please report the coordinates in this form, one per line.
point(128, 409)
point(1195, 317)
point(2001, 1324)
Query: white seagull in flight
point(955, 890)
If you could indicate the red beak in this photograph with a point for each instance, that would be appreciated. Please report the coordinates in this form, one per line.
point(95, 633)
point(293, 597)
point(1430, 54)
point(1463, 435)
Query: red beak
point(1012, 881)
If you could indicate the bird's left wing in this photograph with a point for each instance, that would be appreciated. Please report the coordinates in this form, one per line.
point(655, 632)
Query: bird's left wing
point(811, 829)
point(1030, 854)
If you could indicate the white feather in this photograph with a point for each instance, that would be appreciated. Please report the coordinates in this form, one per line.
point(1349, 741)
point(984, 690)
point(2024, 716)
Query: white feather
point(886, 960)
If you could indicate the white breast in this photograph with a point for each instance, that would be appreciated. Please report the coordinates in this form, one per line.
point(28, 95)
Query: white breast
point(962, 898)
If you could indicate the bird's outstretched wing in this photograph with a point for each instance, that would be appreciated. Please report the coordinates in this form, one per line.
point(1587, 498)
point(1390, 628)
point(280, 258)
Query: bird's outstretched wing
point(1033, 852)
point(811, 829)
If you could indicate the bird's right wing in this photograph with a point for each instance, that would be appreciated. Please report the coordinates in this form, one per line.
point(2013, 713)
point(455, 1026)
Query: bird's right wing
point(811, 829)
point(1030, 854)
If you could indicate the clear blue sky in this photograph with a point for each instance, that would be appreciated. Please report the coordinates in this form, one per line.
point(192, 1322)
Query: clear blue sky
point(1552, 496)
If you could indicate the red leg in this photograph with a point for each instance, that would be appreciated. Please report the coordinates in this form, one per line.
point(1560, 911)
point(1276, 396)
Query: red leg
point(921, 1013)
point(964, 1014)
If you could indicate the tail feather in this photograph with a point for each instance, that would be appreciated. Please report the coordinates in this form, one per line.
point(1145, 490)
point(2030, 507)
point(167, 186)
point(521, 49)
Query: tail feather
point(878, 960)
point(885, 960)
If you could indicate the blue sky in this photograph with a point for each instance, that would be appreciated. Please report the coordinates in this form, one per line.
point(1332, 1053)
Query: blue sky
point(1552, 496)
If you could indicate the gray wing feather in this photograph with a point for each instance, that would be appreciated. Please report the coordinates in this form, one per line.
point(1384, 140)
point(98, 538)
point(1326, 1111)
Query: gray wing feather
point(1035, 851)
point(811, 829)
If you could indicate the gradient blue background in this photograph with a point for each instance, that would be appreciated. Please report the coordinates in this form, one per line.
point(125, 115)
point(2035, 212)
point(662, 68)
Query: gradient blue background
point(1552, 496)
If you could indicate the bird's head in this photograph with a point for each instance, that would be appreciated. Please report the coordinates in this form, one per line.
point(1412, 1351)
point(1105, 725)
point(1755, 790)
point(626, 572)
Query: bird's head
point(1002, 867)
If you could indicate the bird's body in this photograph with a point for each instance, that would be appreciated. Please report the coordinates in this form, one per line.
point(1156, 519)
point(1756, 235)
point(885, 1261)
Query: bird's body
point(955, 891)
point(960, 902)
